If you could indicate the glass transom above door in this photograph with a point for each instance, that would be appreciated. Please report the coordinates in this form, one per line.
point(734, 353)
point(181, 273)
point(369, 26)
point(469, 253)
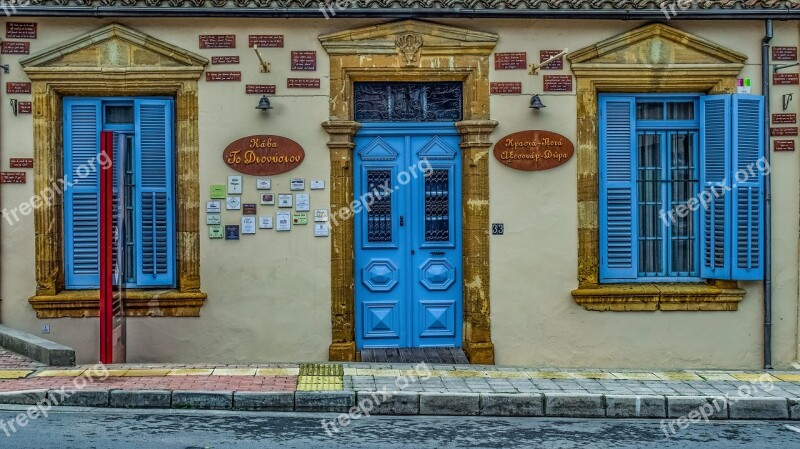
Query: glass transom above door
point(408, 101)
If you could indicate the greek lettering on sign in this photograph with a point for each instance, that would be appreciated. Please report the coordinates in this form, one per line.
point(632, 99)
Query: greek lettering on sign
point(263, 155)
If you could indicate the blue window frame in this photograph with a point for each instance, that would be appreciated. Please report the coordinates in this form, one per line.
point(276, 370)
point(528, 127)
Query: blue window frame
point(671, 206)
point(143, 128)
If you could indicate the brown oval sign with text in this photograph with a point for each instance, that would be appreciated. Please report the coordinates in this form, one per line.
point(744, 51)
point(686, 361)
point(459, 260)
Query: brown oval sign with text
point(263, 155)
point(533, 150)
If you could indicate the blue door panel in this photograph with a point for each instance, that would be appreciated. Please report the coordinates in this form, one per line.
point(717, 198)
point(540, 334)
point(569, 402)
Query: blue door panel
point(408, 252)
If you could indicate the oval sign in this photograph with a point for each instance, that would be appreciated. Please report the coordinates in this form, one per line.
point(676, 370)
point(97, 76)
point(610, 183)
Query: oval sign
point(263, 155)
point(533, 150)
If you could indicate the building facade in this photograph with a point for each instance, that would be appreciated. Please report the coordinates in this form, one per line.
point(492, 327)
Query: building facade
point(377, 204)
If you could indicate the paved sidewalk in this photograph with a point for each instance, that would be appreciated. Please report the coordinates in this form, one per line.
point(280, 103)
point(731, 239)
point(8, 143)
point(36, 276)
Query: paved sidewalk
point(411, 389)
point(13, 361)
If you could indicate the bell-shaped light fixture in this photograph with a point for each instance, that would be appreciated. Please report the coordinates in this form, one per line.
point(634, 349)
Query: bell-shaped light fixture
point(536, 103)
point(263, 104)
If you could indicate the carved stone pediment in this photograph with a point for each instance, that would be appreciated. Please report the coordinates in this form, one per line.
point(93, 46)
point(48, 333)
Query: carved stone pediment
point(411, 39)
point(113, 46)
point(657, 45)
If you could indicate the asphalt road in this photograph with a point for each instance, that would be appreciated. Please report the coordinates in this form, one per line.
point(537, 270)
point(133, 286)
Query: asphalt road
point(188, 429)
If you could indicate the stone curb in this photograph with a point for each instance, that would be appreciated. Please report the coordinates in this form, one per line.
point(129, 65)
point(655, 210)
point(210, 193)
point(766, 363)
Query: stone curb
point(692, 407)
point(461, 404)
point(507, 404)
point(564, 405)
point(79, 398)
point(207, 400)
point(759, 408)
point(140, 399)
point(31, 397)
point(324, 401)
point(636, 406)
point(574, 405)
point(388, 403)
point(274, 401)
point(37, 348)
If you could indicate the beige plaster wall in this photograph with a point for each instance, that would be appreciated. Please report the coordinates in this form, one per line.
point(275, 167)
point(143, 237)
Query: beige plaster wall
point(269, 294)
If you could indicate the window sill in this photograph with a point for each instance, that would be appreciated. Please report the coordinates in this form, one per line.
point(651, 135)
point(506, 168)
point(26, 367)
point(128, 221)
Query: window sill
point(711, 296)
point(138, 303)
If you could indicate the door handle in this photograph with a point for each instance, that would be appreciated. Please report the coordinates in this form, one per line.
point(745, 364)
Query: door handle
point(412, 252)
point(402, 221)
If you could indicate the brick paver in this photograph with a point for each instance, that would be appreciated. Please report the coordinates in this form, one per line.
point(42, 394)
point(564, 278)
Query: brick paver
point(208, 383)
point(12, 360)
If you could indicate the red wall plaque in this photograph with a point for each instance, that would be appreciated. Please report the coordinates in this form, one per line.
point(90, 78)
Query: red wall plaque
point(785, 78)
point(784, 53)
point(266, 40)
point(223, 76)
point(20, 30)
point(15, 48)
point(249, 209)
point(783, 131)
point(510, 61)
point(18, 88)
point(224, 59)
point(20, 162)
point(12, 177)
point(557, 83)
point(263, 155)
point(783, 145)
point(505, 88)
point(303, 83)
point(25, 107)
point(304, 60)
point(783, 119)
point(259, 89)
point(533, 150)
point(555, 64)
point(217, 40)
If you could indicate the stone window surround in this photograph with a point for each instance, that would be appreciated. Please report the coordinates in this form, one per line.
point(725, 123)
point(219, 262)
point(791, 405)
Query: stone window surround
point(593, 78)
point(49, 85)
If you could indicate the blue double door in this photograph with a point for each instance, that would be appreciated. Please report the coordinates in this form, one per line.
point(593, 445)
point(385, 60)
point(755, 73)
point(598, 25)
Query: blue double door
point(408, 290)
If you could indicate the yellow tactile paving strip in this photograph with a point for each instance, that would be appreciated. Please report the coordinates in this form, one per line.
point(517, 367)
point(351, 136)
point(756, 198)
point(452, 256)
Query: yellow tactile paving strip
point(14, 374)
point(321, 377)
point(320, 383)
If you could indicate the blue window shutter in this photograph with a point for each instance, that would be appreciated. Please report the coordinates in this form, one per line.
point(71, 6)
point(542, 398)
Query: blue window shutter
point(618, 235)
point(747, 216)
point(82, 121)
point(155, 239)
point(715, 145)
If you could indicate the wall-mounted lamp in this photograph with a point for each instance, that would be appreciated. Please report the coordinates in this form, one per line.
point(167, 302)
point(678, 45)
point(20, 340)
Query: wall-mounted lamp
point(14, 104)
point(263, 104)
point(265, 67)
point(5, 68)
point(786, 99)
point(536, 103)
